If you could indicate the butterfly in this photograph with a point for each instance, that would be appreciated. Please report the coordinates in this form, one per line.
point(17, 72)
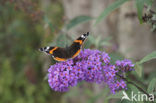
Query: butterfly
point(63, 54)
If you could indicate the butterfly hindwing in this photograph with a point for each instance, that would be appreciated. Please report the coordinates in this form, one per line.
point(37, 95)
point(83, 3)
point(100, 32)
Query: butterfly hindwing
point(60, 54)
point(75, 49)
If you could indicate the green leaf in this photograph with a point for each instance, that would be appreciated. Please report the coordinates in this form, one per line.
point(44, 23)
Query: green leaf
point(140, 6)
point(148, 57)
point(135, 90)
point(77, 20)
point(118, 95)
point(151, 86)
point(109, 9)
point(149, 2)
point(138, 69)
point(61, 40)
point(47, 21)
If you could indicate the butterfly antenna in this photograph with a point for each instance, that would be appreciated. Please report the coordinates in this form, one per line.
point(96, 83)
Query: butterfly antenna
point(87, 33)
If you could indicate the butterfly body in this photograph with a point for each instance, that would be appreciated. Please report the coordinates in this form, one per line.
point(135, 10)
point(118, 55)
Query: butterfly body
point(62, 54)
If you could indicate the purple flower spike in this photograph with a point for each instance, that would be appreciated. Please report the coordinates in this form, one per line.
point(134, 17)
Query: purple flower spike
point(91, 66)
point(125, 65)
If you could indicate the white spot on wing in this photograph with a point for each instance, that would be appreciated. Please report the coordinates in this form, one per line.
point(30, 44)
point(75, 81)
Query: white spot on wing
point(82, 36)
point(48, 47)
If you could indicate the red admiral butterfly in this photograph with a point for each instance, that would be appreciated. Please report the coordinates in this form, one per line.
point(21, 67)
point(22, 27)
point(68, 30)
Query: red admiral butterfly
point(62, 54)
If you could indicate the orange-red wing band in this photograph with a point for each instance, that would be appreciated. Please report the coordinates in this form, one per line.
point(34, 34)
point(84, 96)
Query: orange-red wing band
point(79, 41)
point(59, 59)
point(51, 51)
point(76, 53)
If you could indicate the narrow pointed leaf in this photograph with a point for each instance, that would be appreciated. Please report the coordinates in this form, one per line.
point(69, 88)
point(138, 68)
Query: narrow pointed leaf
point(138, 69)
point(152, 86)
point(78, 20)
point(140, 6)
point(109, 9)
point(148, 57)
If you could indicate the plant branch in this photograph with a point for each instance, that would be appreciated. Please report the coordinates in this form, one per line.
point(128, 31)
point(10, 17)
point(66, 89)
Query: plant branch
point(142, 90)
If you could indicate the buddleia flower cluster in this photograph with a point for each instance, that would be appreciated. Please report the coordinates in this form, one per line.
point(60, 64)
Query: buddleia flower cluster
point(92, 66)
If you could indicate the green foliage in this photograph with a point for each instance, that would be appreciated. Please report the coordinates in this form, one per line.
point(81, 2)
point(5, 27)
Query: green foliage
point(138, 69)
point(135, 91)
point(78, 20)
point(152, 86)
point(6, 81)
point(148, 57)
point(138, 66)
point(62, 40)
point(140, 6)
point(109, 9)
point(118, 95)
point(99, 42)
point(21, 73)
point(47, 21)
point(149, 2)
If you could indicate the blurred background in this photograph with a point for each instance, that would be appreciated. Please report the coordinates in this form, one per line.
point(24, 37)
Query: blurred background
point(26, 25)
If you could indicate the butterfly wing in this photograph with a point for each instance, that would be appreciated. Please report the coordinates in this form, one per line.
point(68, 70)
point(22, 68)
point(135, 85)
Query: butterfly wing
point(48, 49)
point(62, 54)
point(75, 48)
point(59, 54)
